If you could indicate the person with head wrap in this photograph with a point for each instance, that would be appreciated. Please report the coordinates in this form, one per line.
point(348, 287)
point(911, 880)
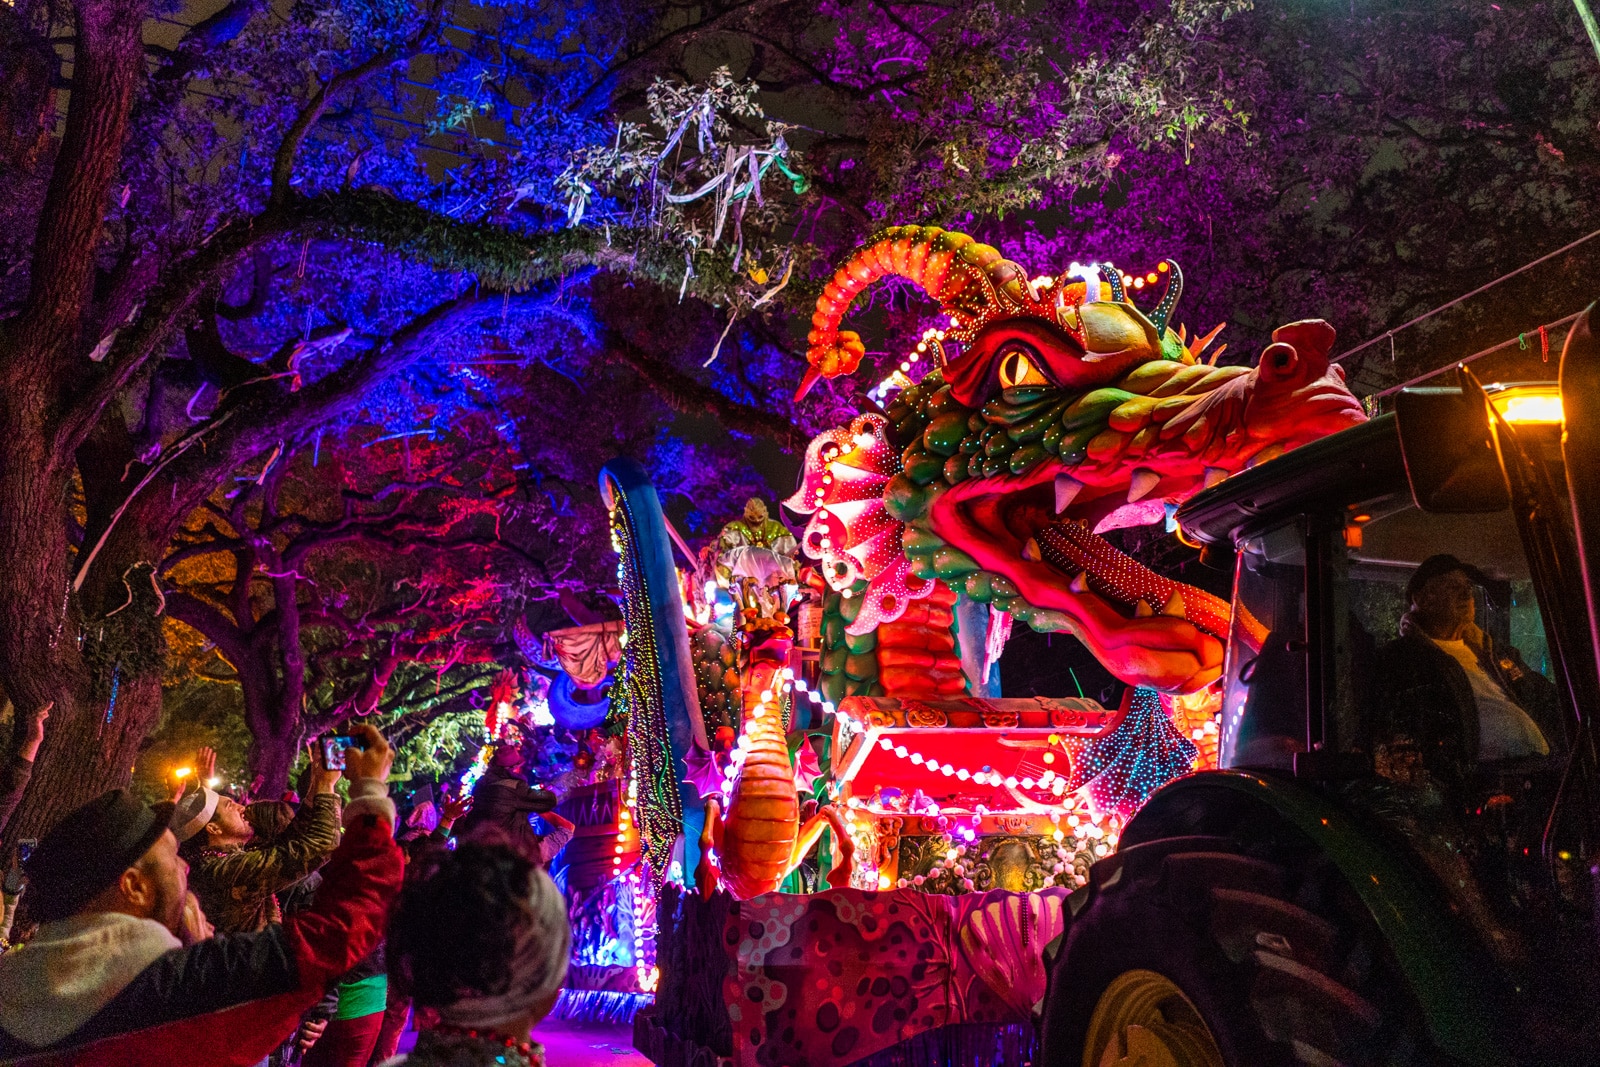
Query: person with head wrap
point(480, 940)
point(238, 878)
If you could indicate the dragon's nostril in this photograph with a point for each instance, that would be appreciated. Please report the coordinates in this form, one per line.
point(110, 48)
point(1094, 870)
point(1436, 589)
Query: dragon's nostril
point(1279, 360)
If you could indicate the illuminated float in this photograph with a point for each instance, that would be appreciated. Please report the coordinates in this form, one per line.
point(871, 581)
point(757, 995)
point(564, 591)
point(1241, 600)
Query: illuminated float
point(947, 812)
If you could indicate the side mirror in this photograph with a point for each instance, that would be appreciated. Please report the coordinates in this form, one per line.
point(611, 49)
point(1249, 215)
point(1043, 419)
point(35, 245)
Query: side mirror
point(1449, 455)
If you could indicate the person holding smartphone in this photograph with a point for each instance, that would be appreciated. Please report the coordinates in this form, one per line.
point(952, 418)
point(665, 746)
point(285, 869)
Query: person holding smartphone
point(107, 980)
point(237, 882)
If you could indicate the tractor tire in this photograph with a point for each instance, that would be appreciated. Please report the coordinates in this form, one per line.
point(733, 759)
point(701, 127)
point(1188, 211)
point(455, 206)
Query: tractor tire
point(1187, 952)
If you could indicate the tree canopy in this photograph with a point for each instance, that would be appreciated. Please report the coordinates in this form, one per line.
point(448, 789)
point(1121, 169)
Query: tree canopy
point(318, 319)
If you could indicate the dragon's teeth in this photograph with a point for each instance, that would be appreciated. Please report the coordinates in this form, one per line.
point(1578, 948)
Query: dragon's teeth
point(1174, 605)
point(1080, 582)
point(1067, 489)
point(1142, 609)
point(1214, 475)
point(1140, 485)
point(1030, 551)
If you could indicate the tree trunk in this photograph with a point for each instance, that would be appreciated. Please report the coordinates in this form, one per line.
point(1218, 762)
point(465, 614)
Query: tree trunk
point(275, 725)
point(39, 653)
point(85, 755)
point(43, 643)
point(80, 650)
point(275, 745)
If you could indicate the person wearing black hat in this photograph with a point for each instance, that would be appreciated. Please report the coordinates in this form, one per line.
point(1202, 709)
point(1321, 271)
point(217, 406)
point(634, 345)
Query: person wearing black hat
point(106, 979)
point(504, 800)
point(1445, 693)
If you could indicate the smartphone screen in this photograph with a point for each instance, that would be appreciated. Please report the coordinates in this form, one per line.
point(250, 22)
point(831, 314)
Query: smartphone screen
point(333, 753)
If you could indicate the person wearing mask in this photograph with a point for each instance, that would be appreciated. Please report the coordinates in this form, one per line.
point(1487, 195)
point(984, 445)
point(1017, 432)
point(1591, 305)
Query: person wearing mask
point(106, 982)
point(503, 800)
point(14, 780)
point(480, 938)
point(237, 884)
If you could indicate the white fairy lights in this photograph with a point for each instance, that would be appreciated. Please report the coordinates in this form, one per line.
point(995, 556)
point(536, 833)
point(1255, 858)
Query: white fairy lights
point(646, 973)
point(931, 346)
point(1077, 830)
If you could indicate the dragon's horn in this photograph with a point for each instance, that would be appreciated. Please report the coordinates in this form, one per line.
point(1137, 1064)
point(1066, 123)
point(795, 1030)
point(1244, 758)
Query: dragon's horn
point(1113, 278)
point(1169, 299)
point(947, 265)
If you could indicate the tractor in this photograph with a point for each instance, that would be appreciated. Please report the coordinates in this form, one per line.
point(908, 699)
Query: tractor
point(1366, 880)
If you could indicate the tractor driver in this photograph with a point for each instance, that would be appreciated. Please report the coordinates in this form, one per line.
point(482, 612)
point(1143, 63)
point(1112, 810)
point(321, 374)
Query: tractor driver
point(1445, 695)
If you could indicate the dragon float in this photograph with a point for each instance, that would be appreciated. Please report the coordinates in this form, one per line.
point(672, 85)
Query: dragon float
point(981, 493)
point(1054, 412)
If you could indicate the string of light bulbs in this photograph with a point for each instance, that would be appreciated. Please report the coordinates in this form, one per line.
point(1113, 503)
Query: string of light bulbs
point(932, 341)
point(1088, 831)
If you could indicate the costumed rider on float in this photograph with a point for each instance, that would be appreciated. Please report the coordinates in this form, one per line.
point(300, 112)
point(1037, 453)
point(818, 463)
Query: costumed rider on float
point(756, 558)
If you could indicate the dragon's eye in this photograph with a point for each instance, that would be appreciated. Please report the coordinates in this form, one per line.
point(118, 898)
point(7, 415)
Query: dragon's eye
point(1017, 369)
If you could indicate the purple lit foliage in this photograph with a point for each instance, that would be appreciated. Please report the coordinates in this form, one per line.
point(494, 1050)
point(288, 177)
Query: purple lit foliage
point(225, 204)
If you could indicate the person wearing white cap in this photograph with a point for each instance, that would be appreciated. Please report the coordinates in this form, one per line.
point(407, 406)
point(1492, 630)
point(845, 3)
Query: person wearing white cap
point(238, 885)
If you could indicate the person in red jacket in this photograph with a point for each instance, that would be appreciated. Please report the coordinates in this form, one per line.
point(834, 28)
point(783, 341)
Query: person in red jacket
point(106, 983)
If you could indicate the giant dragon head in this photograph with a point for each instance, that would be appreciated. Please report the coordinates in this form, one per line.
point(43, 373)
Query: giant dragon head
point(1067, 412)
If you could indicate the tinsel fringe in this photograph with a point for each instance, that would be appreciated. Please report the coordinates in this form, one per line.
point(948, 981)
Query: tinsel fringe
point(591, 809)
point(961, 1045)
point(600, 1005)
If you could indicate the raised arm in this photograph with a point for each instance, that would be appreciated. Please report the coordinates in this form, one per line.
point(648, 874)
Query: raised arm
point(14, 780)
point(230, 1001)
point(525, 797)
point(303, 847)
point(561, 831)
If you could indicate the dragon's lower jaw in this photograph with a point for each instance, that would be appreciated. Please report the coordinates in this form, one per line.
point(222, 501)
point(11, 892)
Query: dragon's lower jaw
point(1144, 629)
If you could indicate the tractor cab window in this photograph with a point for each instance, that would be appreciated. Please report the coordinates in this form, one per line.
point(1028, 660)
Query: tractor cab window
point(1264, 698)
point(1433, 652)
point(1441, 665)
point(1441, 673)
point(1398, 661)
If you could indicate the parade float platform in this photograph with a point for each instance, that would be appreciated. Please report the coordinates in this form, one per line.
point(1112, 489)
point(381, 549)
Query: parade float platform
point(967, 794)
point(1003, 739)
point(964, 858)
point(849, 976)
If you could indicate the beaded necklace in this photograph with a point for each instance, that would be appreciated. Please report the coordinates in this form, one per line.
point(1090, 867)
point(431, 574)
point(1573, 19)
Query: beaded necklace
point(531, 1054)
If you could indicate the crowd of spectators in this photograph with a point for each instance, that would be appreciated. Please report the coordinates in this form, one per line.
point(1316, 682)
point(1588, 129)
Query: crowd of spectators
point(211, 933)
